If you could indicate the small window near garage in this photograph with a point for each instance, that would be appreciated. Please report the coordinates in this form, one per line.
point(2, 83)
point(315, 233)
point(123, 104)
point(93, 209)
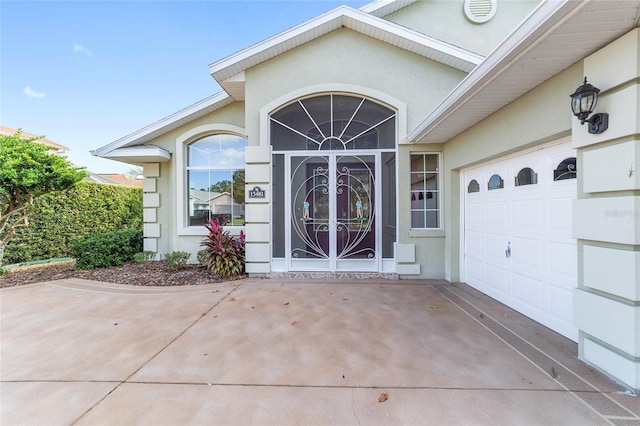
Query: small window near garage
point(473, 186)
point(566, 169)
point(496, 182)
point(526, 176)
point(425, 191)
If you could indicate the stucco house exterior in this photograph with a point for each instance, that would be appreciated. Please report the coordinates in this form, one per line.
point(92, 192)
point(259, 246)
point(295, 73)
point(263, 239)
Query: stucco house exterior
point(426, 139)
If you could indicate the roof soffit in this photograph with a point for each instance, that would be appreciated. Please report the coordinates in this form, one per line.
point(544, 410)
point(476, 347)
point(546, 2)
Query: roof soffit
point(554, 37)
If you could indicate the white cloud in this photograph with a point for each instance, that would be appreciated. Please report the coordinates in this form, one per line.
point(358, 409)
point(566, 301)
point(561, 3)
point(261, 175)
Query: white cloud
point(32, 93)
point(78, 48)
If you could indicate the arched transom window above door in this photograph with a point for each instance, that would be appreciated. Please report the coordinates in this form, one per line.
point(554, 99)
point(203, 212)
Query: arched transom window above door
point(333, 122)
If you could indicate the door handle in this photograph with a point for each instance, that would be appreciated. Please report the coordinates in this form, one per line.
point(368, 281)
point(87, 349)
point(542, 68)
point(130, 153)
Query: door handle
point(507, 252)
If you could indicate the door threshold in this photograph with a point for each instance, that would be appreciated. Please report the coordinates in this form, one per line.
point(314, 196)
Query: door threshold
point(335, 275)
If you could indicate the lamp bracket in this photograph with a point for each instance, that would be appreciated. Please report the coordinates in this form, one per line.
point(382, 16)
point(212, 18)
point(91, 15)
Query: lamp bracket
point(598, 123)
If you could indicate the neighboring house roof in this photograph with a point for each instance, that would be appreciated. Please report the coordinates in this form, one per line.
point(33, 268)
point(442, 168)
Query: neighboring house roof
point(123, 179)
point(54, 146)
point(96, 178)
point(556, 35)
point(114, 179)
point(204, 195)
point(229, 72)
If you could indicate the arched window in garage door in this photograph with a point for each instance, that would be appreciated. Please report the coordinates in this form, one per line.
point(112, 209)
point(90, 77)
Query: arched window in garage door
point(566, 169)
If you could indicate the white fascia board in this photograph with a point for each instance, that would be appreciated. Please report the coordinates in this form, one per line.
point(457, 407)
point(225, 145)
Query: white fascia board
point(350, 18)
point(167, 124)
point(546, 17)
point(382, 8)
point(140, 154)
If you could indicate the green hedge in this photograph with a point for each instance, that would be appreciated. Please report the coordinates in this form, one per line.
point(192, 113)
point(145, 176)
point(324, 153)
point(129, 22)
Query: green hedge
point(87, 209)
point(110, 249)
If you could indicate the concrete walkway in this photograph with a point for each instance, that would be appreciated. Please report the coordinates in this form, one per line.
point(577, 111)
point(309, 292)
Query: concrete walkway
point(277, 352)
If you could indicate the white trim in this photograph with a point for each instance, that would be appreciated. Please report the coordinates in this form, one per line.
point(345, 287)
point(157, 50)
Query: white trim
point(382, 8)
point(180, 170)
point(356, 20)
point(440, 192)
point(167, 124)
point(333, 88)
point(209, 129)
point(143, 154)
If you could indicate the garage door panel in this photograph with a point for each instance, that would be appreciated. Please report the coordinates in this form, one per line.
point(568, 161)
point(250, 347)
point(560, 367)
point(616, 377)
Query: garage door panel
point(496, 279)
point(560, 216)
point(527, 214)
point(561, 305)
point(475, 215)
point(474, 243)
point(528, 291)
point(563, 258)
point(518, 243)
point(496, 248)
point(527, 252)
point(475, 272)
point(496, 213)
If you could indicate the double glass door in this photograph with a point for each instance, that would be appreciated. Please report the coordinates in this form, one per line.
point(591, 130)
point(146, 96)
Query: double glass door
point(332, 210)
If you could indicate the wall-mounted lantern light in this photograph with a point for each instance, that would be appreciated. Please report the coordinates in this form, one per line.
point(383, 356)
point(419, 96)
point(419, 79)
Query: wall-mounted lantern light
point(583, 102)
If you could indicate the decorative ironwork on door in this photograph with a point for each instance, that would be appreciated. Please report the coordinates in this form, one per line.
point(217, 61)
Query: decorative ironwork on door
point(333, 207)
point(327, 154)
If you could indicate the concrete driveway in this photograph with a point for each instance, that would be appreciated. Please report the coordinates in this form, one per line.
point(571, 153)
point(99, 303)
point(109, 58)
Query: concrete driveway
point(289, 352)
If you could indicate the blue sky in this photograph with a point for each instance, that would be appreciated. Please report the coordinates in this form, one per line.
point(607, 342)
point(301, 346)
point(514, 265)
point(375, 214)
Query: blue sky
point(85, 73)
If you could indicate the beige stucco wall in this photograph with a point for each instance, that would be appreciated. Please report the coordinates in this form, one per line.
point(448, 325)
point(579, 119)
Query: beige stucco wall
point(445, 20)
point(350, 58)
point(606, 216)
point(165, 184)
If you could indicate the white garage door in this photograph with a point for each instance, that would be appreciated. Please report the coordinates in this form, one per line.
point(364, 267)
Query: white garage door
point(518, 245)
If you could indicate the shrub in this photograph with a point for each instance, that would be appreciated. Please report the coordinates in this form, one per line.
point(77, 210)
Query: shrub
point(144, 257)
point(88, 209)
point(3, 271)
point(202, 257)
point(109, 249)
point(176, 259)
point(224, 253)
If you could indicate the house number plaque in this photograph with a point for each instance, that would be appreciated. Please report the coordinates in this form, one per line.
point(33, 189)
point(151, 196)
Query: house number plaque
point(257, 192)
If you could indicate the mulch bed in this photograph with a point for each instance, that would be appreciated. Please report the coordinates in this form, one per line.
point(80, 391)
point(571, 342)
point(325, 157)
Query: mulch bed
point(154, 273)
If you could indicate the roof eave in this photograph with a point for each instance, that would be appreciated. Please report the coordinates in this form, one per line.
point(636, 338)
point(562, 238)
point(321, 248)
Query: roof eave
point(356, 20)
point(139, 155)
point(167, 124)
point(540, 21)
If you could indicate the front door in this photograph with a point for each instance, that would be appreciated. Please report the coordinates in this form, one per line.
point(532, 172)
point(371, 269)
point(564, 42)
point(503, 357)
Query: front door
point(332, 212)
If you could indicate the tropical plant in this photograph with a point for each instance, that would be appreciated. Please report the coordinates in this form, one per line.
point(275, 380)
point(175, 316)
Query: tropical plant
point(224, 253)
point(28, 170)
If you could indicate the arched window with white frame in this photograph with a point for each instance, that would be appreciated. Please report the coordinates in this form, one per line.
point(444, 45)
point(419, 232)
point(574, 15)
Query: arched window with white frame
point(215, 179)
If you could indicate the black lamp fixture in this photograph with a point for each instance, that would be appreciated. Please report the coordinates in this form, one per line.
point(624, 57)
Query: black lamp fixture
point(583, 102)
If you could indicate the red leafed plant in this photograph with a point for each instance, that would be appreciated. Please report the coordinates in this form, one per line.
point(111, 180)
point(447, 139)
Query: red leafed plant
point(224, 253)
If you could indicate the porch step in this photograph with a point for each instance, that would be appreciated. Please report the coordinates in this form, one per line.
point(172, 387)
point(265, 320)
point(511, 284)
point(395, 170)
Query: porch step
point(334, 275)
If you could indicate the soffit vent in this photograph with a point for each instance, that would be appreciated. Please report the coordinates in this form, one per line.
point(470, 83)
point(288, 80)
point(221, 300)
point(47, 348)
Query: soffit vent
point(480, 11)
